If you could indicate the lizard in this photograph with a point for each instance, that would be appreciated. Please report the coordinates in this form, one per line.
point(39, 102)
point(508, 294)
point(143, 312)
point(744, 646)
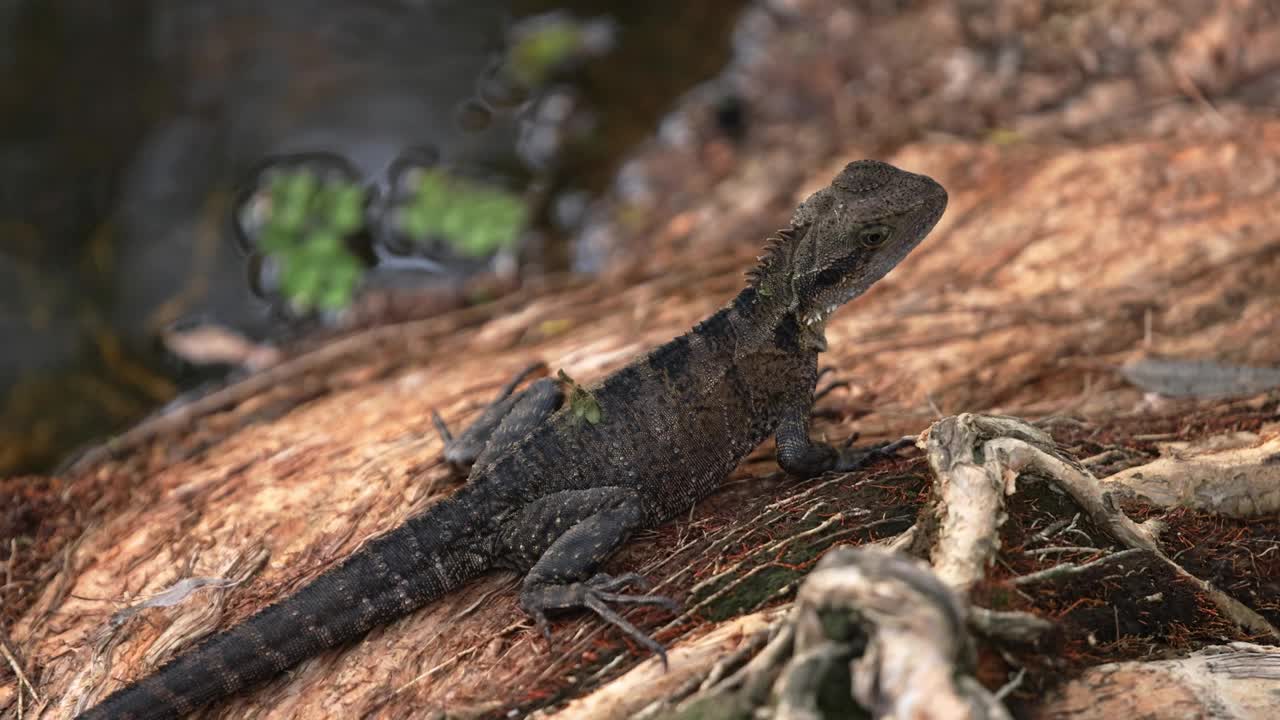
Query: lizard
point(561, 474)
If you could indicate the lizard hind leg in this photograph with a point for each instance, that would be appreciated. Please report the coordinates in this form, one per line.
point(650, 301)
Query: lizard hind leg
point(509, 417)
point(587, 526)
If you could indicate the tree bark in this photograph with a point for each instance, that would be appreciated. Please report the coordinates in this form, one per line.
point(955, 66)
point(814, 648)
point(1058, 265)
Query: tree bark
point(1056, 264)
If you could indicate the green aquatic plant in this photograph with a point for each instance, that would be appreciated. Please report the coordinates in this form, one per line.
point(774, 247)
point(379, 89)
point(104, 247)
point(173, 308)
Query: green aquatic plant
point(307, 223)
point(475, 219)
point(543, 44)
point(536, 54)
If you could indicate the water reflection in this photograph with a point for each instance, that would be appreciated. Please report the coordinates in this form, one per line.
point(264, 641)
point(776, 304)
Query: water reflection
point(129, 132)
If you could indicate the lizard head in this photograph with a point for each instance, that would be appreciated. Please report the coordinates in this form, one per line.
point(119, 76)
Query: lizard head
point(847, 236)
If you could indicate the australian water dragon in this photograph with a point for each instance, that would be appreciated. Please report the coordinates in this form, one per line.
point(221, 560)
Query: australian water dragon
point(561, 475)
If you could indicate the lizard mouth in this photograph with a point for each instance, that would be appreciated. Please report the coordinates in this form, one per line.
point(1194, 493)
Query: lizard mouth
point(827, 304)
point(819, 316)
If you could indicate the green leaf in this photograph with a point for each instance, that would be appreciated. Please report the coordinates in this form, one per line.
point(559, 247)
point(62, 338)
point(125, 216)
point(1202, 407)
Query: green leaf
point(306, 236)
point(275, 239)
point(323, 244)
point(289, 277)
point(299, 187)
point(348, 210)
point(430, 184)
point(289, 216)
point(473, 218)
point(413, 221)
point(453, 223)
point(335, 297)
point(308, 280)
point(533, 58)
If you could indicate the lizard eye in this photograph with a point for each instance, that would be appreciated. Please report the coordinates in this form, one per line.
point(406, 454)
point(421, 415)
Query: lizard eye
point(873, 236)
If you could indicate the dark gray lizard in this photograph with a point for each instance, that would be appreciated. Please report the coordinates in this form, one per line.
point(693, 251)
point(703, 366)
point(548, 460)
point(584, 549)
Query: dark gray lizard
point(558, 483)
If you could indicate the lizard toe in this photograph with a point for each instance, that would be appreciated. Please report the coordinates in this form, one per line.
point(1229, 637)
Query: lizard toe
point(595, 595)
point(855, 458)
point(661, 600)
point(596, 604)
point(609, 583)
point(540, 622)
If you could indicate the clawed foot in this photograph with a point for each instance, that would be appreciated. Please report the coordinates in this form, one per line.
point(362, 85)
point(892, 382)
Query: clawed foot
point(854, 458)
point(594, 594)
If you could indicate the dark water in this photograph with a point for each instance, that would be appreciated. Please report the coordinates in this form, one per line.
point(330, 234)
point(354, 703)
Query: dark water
point(127, 129)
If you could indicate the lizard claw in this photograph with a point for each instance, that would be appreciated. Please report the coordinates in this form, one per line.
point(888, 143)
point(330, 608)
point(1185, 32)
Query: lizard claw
point(442, 428)
point(596, 603)
point(608, 583)
point(540, 622)
point(594, 594)
point(855, 458)
point(659, 600)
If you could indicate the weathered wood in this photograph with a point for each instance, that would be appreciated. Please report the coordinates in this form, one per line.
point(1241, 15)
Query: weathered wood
point(1056, 264)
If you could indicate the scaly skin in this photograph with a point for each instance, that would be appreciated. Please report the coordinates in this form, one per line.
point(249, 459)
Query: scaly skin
point(557, 486)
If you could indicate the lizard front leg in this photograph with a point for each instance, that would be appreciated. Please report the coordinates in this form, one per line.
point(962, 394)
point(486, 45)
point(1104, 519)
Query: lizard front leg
point(799, 455)
point(508, 418)
point(563, 538)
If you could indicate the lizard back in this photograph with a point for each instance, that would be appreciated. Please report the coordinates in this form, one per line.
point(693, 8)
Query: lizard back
point(656, 414)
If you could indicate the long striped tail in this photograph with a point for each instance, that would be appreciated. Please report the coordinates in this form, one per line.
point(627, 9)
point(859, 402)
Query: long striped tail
point(391, 576)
